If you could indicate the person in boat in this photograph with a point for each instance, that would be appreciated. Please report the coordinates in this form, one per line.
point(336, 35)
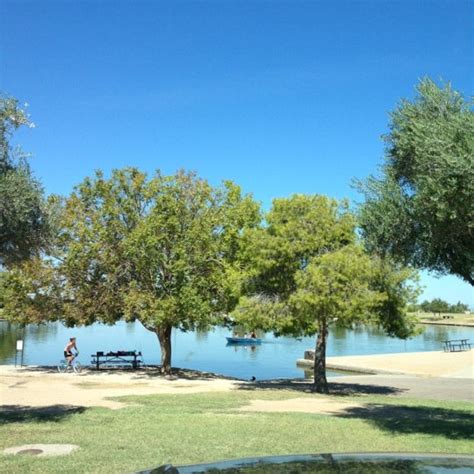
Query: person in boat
point(253, 335)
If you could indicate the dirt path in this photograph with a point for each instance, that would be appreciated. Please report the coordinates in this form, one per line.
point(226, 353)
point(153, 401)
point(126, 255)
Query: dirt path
point(327, 406)
point(45, 387)
point(41, 387)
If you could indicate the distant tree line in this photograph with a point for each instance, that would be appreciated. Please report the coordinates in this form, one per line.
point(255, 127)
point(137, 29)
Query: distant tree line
point(437, 305)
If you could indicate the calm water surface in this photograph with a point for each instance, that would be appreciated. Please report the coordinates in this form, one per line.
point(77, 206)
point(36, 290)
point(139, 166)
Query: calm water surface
point(208, 351)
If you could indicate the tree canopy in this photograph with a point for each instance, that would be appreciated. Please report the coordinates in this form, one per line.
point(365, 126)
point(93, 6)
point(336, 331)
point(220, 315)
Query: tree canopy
point(437, 305)
point(163, 250)
point(23, 215)
point(421, 210)
point(309, 272)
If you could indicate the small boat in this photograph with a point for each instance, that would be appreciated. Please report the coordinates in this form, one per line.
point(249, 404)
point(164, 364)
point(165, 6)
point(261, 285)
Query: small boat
point(243, 340)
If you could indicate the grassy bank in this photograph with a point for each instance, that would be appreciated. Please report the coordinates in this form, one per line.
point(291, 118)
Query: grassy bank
point(207, 427)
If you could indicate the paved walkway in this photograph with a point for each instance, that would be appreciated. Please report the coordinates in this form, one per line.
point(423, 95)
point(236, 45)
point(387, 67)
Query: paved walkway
point(439, 388)
point(434, 364)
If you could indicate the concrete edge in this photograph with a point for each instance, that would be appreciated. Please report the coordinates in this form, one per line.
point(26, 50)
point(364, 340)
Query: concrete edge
point(439, 323)
point(348, 368)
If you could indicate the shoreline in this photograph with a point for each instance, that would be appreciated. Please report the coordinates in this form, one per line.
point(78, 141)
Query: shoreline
point(442, 323)
point(427, 364)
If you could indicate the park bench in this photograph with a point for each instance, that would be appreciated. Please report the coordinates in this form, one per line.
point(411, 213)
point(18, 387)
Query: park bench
point(131, 359)
point(457, 345)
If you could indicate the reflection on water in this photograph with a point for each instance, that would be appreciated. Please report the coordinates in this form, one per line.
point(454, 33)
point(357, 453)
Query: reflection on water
point(247, 349)
point(208, 351)
point(10, 333)
point(8, 337)
point(201, 335)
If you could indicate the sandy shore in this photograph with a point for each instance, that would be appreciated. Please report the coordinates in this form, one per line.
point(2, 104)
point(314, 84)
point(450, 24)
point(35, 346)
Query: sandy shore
point(42, 387)
point(45, 388)
point(431, 364)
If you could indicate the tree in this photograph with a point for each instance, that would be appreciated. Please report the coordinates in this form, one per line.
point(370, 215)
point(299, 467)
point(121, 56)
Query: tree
point(437, 305)
point(163, 250)
point(413, 308)
point(425, 306)
point(459, 308)
point(23, 217)
point(309, 272)
point(421, 210)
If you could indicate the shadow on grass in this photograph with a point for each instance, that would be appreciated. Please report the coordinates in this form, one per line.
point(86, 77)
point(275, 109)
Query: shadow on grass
point(452, 424)
point(27, 414)
point(335, 388)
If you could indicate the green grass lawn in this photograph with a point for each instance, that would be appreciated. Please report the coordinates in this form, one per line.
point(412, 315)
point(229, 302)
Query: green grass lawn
point(184, 429)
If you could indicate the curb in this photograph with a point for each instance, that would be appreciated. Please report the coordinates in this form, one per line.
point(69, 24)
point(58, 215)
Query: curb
point(359, 370)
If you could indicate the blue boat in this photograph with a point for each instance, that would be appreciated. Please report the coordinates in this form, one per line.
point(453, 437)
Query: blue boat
point(243, 340)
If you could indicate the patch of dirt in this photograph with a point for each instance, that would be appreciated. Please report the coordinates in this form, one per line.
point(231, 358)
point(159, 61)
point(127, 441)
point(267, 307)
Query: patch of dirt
point(30, 451)
point(17, 384)
point(43, 387)
point(96, 385)
point(325, 406)
point(41, 450)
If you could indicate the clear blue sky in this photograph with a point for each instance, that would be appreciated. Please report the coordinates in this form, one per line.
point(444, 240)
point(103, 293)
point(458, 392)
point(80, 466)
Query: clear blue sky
point(281, 97)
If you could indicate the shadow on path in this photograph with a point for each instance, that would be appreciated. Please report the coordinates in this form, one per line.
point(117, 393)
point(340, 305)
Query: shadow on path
point(25, 414)
point(337, 389)
point(400, 419)
point(147, 372)
point(153, 372)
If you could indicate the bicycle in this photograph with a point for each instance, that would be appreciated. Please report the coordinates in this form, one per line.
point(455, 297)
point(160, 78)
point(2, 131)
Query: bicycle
point(74, 366)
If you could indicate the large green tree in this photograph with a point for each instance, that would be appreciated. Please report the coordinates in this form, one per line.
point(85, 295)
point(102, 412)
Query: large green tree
point(309, 273)
point(421, 210)
point(23, 222)
point(163, 250)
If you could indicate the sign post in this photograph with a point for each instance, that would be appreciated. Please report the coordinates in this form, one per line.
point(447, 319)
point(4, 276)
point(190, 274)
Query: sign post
point(19, 348)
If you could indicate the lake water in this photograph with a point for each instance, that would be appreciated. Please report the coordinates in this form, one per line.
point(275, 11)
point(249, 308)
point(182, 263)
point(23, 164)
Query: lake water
point(208, 351)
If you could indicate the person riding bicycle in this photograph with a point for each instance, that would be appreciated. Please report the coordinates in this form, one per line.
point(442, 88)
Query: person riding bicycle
point(68, 355)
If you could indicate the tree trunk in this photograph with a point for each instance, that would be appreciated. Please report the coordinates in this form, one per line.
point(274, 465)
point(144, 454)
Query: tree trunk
point(320, 381)
point(164, 336)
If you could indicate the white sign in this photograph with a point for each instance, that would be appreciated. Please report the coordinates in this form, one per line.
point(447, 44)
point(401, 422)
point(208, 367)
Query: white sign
point(19, 345)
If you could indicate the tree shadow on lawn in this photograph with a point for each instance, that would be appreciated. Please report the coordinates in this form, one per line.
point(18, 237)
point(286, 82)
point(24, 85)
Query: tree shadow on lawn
point(335, 388)
point(27, 414)
point(452, 424)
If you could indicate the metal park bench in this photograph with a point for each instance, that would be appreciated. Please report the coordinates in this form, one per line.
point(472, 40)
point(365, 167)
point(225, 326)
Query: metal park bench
point(457, 345)
point(133, 359)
